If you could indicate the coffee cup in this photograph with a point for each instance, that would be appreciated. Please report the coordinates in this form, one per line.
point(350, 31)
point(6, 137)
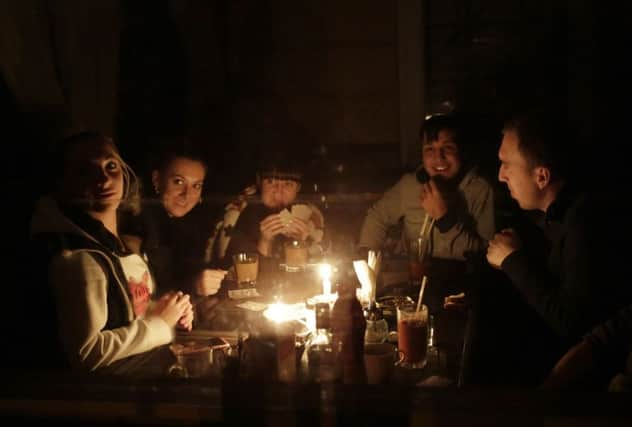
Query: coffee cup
point(379, 360)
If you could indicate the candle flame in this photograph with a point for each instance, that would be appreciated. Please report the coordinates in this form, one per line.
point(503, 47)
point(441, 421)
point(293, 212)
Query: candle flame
point(325, 271)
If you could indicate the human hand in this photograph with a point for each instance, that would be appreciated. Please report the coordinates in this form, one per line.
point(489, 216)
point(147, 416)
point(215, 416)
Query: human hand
point(296, 228)
point(432, 200)
point(171, 307)
point(209, 281)
point(185, 322)
point(458, 302)
point(501, 246)
point(573, 366)
point(270, 227)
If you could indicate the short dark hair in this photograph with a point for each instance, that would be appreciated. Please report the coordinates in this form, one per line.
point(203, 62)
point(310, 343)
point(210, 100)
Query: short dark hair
point(435, 123)
point(281, 164)
point(455, 123)
point(543, 139)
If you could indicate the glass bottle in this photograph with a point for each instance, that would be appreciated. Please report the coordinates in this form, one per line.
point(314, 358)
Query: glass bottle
point(348, 329)
point(321, 355)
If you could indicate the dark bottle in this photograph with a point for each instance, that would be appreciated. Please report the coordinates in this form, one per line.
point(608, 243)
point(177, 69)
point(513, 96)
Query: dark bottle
point(348, 329)
point(321, 355)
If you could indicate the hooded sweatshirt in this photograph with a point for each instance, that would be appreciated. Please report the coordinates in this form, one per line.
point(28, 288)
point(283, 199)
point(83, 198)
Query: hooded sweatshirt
point(100, 293)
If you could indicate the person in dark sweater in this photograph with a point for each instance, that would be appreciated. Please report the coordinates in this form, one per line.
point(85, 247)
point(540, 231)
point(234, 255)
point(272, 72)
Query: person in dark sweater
point(559, 274)
point(599, 358)
point(259, 225)
point(174, 228)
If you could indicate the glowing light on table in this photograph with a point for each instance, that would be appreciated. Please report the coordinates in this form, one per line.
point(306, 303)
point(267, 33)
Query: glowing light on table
point(280, 312)
point(325, 273)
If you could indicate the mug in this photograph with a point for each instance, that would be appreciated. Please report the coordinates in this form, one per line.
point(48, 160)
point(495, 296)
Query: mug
point(379, 360)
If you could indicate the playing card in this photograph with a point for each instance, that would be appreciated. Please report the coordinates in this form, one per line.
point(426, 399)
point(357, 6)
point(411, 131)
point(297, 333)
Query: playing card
point(301, 211)
point(243, 293)
point(285, 216)
point(252, 306)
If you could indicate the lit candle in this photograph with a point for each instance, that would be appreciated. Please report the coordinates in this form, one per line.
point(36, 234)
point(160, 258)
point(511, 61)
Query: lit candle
point(325, 273)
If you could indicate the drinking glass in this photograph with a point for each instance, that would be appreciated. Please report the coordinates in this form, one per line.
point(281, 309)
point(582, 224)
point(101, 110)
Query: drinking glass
point(412, 335)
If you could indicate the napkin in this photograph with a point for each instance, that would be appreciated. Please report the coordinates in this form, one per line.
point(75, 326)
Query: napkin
point(367, 272)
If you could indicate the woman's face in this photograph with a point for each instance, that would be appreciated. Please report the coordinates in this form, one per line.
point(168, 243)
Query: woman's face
point(179, 185)
point(278, 193)
point(93, 176)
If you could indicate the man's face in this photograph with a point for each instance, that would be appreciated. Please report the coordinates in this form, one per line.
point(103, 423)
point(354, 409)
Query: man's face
point(278, 193)
point(517, 173)
point(441, 157)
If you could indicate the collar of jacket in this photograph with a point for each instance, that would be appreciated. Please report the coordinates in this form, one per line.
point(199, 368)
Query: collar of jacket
point(565, 198)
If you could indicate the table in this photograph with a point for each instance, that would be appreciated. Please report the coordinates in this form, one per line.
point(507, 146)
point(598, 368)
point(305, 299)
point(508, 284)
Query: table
point(220, 315)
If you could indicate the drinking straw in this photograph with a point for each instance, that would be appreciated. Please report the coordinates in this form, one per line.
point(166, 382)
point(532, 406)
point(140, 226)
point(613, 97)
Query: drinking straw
point(423, 249)
point(432, 221)
point(421, 292)
point(423, 226)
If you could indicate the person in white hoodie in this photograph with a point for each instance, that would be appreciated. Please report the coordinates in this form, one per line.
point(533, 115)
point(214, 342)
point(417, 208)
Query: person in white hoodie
point(101, 291)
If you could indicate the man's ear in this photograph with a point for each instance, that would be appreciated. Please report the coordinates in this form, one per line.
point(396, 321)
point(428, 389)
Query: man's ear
point(298, 186)
point(258, 181)
point(542, 177)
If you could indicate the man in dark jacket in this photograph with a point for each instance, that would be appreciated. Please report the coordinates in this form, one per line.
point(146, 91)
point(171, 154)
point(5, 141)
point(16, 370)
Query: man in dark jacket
point(562, 276)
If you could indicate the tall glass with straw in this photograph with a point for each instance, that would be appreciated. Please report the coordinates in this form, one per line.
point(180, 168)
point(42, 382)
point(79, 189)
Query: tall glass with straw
point(412, 332)
point(418, 251)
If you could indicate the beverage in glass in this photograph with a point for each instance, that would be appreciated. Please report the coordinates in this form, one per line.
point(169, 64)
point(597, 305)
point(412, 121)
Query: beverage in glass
point(295, 255)
point(246, 269)
point(412, 335)
point(417, 260)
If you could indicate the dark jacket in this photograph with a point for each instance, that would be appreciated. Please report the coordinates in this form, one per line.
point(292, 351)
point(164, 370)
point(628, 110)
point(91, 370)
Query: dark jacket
point(612, 341)
point(175, 247)
point(572, 281)
point(245, 235)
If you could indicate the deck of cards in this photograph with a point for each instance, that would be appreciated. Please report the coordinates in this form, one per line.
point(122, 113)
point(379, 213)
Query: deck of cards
point(301, 211)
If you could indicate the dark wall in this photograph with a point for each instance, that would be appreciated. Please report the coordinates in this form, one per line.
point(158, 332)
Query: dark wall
point(320, 75)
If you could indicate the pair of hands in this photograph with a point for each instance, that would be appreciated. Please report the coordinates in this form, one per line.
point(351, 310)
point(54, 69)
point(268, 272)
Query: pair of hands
point(501, 246)
point(175, 309)
point(272, 226)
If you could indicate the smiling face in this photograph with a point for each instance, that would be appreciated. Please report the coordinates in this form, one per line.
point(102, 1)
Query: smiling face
point(179, 185)
point(441, 157)
point(93, 177)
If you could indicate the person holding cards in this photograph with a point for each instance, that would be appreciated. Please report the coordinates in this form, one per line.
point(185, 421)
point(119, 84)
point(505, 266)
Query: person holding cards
point(266, 225)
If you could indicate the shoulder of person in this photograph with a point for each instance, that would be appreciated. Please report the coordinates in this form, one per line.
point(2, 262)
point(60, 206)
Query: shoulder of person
point(80, 261)
point(474, 182)
point(408, 179)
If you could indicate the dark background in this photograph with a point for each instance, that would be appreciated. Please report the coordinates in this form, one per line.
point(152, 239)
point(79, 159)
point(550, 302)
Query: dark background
point(346, 82)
